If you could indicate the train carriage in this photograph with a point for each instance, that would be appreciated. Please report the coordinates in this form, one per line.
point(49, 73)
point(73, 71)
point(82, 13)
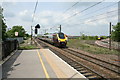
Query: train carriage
point(58, 39)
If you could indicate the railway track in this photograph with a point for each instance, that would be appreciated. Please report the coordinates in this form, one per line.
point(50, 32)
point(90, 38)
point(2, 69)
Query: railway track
point(72, 60)
point(110, 66)
point(75, 60)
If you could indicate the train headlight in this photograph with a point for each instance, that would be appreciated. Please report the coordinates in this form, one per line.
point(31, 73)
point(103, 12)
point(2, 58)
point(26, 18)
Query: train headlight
point(58, 40)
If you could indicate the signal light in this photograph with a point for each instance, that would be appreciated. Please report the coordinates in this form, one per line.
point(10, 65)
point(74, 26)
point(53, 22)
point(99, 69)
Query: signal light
point(37, 26)
point(35, 30)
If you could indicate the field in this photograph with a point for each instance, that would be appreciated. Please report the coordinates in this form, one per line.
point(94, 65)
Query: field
point(89, 46)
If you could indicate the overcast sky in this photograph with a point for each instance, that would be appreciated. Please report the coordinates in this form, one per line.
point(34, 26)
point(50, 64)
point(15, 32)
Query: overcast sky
point(93, 21)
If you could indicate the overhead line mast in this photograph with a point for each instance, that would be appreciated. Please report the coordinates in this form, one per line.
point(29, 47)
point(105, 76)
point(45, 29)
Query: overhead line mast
point(33, 19)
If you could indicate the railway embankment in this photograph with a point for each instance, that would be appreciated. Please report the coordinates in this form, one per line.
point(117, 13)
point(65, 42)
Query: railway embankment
point(89, 46)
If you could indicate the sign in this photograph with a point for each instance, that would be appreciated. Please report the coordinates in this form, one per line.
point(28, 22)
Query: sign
point(37, 26)
point(16, 33)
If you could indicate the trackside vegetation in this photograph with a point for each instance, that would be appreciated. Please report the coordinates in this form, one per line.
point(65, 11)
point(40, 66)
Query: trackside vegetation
point(89, 46)
point(10, 33)
point(116, 33)
point(85, 37)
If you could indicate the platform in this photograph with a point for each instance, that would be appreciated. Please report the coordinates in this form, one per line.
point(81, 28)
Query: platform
point(38, 63)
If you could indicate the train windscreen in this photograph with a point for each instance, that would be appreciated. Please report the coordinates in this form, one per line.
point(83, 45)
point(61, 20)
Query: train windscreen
point(61, 36)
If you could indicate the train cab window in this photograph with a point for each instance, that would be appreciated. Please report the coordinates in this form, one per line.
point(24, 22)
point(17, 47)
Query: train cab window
point(61, 35)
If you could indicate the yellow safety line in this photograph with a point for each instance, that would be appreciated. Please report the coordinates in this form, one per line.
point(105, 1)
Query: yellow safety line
point(56, 69)
point(45, 71)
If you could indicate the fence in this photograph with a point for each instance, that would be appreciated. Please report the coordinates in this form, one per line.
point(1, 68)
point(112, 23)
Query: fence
point(19, 39)
point(8, 47)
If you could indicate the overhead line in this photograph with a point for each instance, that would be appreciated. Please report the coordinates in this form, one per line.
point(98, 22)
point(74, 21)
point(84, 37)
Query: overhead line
point(100, 18)
point(102, 8)
point(97, 19)
point(101, 14)
point(96, 11)
point(68, 9)
point(71, 7)
point(104, 13)
point(84, 10)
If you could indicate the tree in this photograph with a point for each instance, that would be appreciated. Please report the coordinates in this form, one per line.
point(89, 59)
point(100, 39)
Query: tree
point(3, 24)
point(83, 37)
point(21, 31)
point(116, 33)
point(4, 35)
point(46, 33)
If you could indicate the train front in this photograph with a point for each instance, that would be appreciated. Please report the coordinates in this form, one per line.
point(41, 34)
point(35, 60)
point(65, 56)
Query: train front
point(62, 39)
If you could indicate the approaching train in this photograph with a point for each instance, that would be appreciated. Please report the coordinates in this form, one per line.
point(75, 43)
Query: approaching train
point(57, 39)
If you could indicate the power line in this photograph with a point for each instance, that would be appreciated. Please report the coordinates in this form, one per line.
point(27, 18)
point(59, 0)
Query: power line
point(104, 13)
point(80, 11)
point(101, 14)
point(101, 18)
point(70, 7)
point(84, 10)
point(101, 9)
point(98, 19)
point(97, 11)
point(95, 19)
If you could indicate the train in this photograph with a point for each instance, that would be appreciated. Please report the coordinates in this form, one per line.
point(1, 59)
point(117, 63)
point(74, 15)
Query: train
point(57, 39)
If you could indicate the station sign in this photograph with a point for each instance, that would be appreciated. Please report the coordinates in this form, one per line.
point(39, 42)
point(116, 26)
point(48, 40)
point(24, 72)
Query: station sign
point(16, 33)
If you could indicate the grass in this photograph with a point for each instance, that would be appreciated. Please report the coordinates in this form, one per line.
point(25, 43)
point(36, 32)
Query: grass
point(89, 46)
point(27, 47)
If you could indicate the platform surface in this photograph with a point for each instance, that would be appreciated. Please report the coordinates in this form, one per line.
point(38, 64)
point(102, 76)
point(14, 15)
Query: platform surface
point(39, 63)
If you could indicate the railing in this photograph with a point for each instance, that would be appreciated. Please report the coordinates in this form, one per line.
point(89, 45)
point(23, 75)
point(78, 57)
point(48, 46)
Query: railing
point(8, 47)
point(19, 39)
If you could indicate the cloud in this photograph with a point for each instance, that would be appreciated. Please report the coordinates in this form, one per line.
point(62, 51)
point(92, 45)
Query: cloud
point(89, 22)
point(26, 15)
point(9, 14)
point(47, 17)
point(23, 13)
point(53, 18)
point(7, 11)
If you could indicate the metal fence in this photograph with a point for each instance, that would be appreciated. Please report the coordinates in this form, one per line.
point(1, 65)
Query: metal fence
point(19, 39)
point(8, 47)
